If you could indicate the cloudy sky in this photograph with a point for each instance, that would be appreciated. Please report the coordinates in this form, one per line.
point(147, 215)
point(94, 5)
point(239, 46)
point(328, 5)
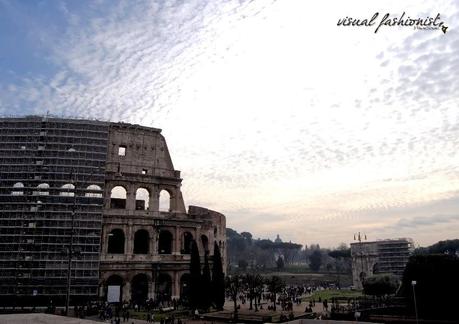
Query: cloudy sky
point(276, 116)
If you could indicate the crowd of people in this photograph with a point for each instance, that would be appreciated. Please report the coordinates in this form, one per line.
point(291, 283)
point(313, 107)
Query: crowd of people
point(285, 300)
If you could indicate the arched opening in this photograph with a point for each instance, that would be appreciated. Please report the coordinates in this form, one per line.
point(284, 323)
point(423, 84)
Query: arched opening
point(116, 242)
point(141, 242)
point(142, 196)
point(164, 287)
point(42, 189)
point(186, 245)
point(185, 287)
point(164, 201)
point(67, 190)
point(96, 191)
point(16, 186)
point(118, 198)
point(165, 242)
point(113, 289)
point(139, 286)
point(205, 243)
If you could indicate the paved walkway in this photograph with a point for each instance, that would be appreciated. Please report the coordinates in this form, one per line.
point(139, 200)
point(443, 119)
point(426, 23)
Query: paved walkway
point(37, 318)
point(244, 308)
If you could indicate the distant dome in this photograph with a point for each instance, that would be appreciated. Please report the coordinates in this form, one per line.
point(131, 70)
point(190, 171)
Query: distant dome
point(278, 239)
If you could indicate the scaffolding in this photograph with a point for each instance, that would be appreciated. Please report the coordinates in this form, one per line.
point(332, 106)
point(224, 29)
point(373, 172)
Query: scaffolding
point(52, 174)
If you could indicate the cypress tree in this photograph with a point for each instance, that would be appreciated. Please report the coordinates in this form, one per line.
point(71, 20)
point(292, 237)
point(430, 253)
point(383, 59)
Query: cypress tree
point(195, 276)
point(206, 289)
point(218, 280)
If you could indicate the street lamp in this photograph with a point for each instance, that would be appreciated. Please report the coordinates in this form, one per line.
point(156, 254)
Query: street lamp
point(359, 238)
point(413, 284)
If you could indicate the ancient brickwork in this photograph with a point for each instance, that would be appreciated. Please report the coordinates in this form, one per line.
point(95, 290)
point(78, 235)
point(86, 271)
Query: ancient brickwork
point(152, 259)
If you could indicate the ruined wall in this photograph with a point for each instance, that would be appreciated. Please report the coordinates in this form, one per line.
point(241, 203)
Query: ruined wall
point(214, 223)
point(139, 169)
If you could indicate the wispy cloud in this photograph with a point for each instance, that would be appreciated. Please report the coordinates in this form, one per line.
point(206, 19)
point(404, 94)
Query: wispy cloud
point(275, 116)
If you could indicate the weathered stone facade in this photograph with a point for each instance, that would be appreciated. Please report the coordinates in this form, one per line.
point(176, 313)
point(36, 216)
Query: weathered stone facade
point(145, 247)
point(88, 204)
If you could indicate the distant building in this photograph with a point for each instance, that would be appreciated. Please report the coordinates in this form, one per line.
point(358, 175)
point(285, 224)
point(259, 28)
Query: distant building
point(278, 239)
point(385, 256)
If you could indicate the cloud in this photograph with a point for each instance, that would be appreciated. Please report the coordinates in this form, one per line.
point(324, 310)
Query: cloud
point(275, 116)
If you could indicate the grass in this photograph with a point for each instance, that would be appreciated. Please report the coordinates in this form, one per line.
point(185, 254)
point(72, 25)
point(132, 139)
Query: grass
point(329, 294)
point(157, 316)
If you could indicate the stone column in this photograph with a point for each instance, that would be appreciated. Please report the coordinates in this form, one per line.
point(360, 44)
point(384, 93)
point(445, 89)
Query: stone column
point(151, 288)
point(154, 199)
point(129, 244)
point(126, 292)
point(154, 241)
point(177, 241)
point(130, 198)
point(172, 203)
point(176, 286)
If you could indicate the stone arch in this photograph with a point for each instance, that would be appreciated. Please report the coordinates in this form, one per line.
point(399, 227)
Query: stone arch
point(94, 187)
point(18, 186)
point(187, 239)
point(185, 287)
point(142, 198)
point(139, 288)
point(164, 200)
point(164, 287)
point(205, 243)
point(67, 190)
point(141, 242)
point(118, 196)
point(116, 240)
point(165, 242)
point(113, 288)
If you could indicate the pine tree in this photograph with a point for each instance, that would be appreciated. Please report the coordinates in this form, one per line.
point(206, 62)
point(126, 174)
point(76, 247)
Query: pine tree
point(195, 276)
point(218, 280)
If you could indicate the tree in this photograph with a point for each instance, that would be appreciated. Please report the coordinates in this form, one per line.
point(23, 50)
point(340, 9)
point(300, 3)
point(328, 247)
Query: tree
point(436, 285)
point(315, 260)
point(206, 289)
point(218, 280)
point(253, 282)
point(289, 250)
point(195, 276)
point(380, 285)
point(243, 264)
point(441, 247)
point(275, 286)
point(280, 263)
point(248, 237)
point(234, 286)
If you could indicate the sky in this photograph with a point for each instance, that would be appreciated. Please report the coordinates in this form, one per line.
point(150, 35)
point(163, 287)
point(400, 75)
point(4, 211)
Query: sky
point(276, 116)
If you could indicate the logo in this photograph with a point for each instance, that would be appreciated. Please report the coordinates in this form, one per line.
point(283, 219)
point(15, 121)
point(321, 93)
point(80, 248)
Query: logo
point(425, 23)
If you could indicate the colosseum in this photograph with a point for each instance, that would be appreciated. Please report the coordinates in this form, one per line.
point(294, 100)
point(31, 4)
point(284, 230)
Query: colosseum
point(97, 206)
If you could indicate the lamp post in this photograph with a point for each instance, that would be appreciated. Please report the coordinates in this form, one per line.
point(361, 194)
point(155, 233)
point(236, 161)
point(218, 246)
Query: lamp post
point(358, 237)
point(413, 284)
